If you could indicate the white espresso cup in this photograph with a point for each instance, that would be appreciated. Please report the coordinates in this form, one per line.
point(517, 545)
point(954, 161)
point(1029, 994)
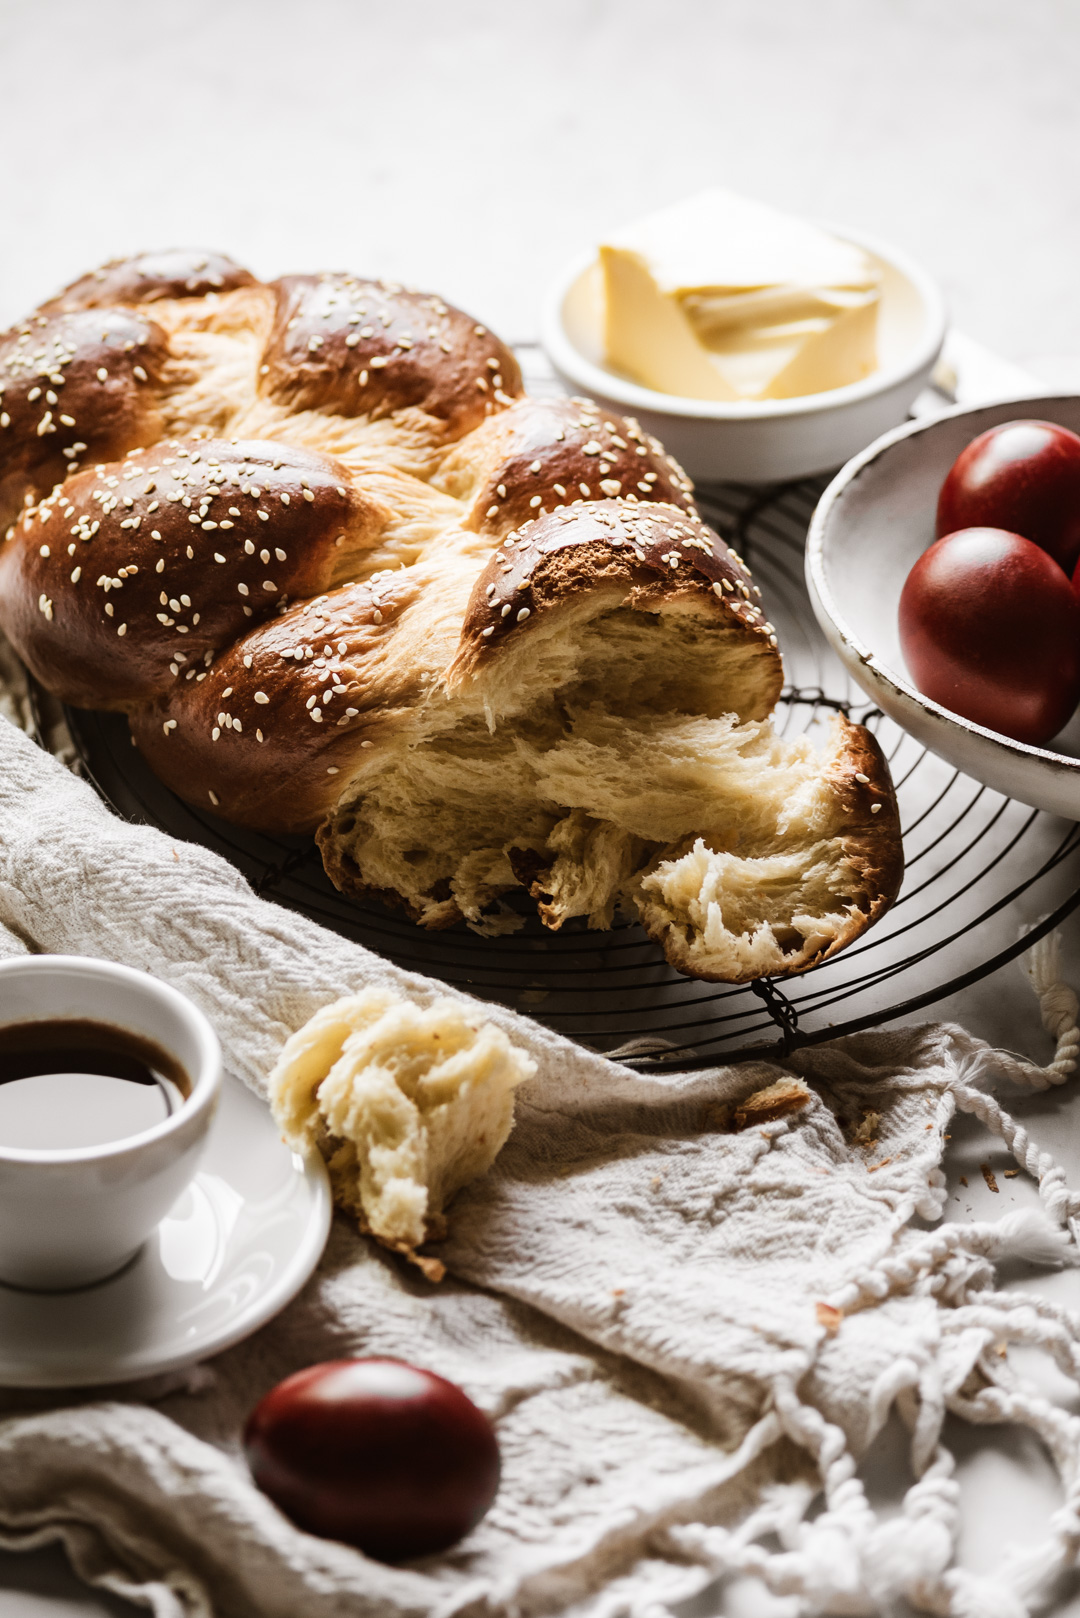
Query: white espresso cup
point(70, 1216)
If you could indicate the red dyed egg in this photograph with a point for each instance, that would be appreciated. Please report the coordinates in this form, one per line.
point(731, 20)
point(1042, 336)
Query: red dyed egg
point(394, 1460)
point(1024, 477)
point(990, 629)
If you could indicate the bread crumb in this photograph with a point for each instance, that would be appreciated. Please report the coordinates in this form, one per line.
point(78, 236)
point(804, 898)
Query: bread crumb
point(1010, 1174)
point(963, 1179)
point(829, 1317)
point(988, 1175)
point(866, 1132)
point(774, 1101)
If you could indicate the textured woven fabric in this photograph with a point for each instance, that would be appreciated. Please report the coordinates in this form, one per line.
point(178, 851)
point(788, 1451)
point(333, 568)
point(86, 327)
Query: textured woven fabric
point(683, 1333)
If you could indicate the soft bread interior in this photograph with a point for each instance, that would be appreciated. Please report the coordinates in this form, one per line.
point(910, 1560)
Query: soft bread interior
point(406, 1104)
point(616, 770)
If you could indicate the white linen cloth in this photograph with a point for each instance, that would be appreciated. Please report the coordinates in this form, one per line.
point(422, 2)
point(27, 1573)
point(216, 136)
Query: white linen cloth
point(681, 1333)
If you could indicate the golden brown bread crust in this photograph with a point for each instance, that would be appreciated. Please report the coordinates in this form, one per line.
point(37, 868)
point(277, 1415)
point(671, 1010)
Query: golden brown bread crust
point(357, 347)
point(648, 555)
point(269, 733)
point(180, 272)
point(74, 387)
point(392, 536)
point(543, 454)
point(174, 551)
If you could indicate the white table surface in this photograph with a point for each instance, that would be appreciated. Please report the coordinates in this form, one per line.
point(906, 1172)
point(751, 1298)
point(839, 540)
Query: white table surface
point(473, 148)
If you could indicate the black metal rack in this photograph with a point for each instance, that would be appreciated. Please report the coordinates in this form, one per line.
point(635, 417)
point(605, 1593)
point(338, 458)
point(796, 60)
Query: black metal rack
point(985, 875)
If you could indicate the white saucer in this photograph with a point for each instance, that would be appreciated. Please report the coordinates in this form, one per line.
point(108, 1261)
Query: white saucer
point(239, 1244)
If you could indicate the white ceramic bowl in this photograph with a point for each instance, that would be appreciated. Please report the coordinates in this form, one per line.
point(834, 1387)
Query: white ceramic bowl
point(872, 523)
point(767, 440)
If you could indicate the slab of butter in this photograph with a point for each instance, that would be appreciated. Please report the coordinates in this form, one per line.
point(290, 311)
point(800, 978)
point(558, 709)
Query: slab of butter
point(719, 297)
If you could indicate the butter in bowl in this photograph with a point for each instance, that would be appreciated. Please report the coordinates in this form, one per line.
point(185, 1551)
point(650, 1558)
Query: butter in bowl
point(758, 346)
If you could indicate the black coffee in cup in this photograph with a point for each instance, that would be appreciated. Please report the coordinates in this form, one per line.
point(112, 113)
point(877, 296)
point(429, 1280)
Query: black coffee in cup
point(76, 1083)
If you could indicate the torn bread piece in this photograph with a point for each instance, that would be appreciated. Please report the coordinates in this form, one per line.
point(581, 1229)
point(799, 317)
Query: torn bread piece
point(406, 1104)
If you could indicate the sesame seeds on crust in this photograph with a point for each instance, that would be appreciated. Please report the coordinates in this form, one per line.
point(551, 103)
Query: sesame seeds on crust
point(358, 347)
point(660, 550)
point(550, 454)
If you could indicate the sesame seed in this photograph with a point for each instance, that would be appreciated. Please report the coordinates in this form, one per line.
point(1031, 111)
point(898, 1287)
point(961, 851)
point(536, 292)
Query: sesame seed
point(875, 808)
point(864, 779)
point(486, 632)
point(243, 589)
point(261, 697)
point(214, 798)
point(331, 769)
point(522, 615)
point(102, 374)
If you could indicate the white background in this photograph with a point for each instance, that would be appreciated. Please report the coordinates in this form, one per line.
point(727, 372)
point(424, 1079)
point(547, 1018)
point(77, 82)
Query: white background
point(472, 146)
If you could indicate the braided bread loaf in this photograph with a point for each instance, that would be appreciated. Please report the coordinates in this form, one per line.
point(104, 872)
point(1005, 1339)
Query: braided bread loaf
point(344, 577)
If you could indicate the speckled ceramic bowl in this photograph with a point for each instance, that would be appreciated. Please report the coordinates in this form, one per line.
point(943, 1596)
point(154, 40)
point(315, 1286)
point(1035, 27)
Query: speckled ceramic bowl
point(873, 521)
point(759, 440)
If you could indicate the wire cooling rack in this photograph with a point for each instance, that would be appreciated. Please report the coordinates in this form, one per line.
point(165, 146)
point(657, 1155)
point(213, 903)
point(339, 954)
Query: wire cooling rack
point(985, 875)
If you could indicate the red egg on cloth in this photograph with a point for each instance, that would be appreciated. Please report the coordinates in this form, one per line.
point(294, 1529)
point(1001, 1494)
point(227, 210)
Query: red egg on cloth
point(990, 629)
point(392, 1459)
point(1024, 477)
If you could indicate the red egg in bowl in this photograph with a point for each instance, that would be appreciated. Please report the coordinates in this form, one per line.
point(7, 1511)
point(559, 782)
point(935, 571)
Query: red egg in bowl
point(990, 628)
point(1023, 476)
